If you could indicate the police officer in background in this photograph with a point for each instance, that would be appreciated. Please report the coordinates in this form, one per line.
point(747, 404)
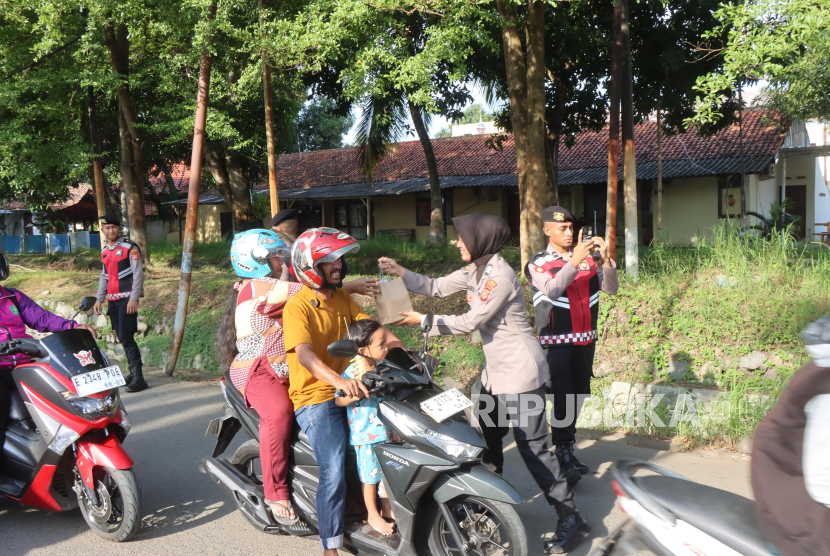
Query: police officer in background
point(515, 371)
point(287, 222)
point(565, 283)
point(121, 285)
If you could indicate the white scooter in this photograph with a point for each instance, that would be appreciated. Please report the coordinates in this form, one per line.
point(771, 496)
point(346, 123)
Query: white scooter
point(670, 515)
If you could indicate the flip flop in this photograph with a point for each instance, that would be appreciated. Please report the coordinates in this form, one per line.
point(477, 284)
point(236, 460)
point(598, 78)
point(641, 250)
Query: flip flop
point(279, 519)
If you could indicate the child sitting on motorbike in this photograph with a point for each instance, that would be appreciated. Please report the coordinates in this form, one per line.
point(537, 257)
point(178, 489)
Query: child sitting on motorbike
point(366, 429)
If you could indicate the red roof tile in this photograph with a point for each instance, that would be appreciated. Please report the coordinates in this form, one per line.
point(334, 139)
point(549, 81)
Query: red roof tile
point(470, 156)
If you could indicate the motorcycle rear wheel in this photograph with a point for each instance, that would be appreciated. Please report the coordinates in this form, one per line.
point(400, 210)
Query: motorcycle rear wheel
point(117, 516)
point(492, 528)
point(245, 459)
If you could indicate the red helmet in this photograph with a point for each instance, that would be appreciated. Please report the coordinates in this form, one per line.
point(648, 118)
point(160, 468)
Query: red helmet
point(315, 246)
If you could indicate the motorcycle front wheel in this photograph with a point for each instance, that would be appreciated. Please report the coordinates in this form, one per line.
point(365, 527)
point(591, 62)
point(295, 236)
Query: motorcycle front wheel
point(489, 528)
point(116, 514)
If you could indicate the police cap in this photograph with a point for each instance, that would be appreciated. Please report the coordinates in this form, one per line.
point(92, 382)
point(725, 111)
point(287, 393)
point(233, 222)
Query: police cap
point(556, 214)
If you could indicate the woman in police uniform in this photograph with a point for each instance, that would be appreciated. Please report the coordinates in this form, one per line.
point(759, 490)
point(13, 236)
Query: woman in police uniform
point(515, 365)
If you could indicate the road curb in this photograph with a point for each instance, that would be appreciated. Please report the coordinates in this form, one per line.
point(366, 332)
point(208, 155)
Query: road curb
point(665, 445)
point(189, 376)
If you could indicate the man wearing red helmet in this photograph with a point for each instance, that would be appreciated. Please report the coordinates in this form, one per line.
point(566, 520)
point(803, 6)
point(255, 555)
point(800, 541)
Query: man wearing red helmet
point(313, 318)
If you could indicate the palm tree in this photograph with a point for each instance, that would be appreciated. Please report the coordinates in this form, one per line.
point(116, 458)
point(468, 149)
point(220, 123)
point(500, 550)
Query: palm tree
point(382, 124)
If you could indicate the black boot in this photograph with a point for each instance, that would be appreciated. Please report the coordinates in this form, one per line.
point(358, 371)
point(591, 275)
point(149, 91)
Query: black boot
point(138, 384)
point(129, 378)
point(566, 463)
point(581, 467)
point(569, 531)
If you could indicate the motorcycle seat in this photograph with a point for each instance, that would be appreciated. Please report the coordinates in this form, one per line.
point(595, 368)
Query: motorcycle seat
point(722, 515)
point(17, 410)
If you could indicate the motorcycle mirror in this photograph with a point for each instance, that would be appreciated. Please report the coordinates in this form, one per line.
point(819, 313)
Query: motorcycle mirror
point(426, 325)
point(87, 303)
point(343, 349)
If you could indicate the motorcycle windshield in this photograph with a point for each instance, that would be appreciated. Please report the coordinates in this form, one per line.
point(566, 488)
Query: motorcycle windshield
point(73, 352)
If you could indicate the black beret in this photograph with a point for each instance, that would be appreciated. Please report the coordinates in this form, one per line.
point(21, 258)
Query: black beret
point(110, 219)
point(556, 214)
point(283, 215)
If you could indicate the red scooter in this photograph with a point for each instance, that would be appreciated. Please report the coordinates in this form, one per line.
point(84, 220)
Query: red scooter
point(64, 433)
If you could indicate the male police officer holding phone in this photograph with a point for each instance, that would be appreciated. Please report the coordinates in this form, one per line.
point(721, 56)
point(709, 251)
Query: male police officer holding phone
point(565, 283)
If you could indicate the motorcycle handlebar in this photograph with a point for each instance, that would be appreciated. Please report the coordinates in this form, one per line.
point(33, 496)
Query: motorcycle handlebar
point(27, 346)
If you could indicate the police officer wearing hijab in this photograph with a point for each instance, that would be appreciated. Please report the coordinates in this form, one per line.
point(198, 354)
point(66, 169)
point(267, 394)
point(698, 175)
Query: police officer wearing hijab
point(515, 367)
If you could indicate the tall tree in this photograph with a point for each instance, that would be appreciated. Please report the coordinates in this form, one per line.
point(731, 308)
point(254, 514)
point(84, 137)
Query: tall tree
point(117, 41)
point(320, 126)
point(525, 68)
point(782, 42)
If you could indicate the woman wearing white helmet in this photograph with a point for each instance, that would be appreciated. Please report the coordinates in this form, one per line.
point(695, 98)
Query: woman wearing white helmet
point(249, 341)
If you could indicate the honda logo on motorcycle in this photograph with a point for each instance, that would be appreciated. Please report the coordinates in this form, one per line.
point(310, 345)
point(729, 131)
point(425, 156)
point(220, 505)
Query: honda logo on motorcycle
point(85, 357)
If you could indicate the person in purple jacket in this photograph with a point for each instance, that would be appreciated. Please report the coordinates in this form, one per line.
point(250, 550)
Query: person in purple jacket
point(17, 311)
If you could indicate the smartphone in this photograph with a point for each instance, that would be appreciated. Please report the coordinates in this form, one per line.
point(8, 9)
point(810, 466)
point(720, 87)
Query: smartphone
point(587, 233)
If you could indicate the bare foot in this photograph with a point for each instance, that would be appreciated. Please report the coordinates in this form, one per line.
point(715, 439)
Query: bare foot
point(386, 509)
point(281, 508)
point(381, 525)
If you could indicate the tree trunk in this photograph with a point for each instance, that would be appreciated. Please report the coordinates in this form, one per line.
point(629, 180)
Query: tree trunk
point(552, 161)
point(230, 181)
point(240, 188)
point(659, 177)
point(537, 192)
point(629, 163)
point(132, 169)
point(97, 166)
point(614, 133)
point(527, 110)
point(437, 226)
point(553, 119)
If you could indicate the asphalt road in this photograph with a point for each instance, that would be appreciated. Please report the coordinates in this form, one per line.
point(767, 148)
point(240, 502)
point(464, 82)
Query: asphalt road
point(186, 515)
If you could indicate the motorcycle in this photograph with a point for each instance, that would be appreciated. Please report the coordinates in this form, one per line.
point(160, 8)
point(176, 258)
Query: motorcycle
point(670, 515)
point(65, 430)
point(445, 502)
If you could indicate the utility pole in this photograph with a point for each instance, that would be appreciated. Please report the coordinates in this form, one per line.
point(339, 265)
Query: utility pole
point(614, 133)
point(273, 179)
point(97, 165)
point(192, 205)
point(629, 163)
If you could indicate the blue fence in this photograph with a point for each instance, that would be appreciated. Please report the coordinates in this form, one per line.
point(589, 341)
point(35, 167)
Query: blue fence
point(95, 240)
point(36, 244)
point(59, 242)
point(13, 245)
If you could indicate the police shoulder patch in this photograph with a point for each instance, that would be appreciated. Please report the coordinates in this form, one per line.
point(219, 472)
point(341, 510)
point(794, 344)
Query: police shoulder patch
point(488, 289)
point(469, 297)
point(135, 255)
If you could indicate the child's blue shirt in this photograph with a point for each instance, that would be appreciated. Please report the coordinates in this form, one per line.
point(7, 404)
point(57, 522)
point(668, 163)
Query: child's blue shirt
point(364, 424)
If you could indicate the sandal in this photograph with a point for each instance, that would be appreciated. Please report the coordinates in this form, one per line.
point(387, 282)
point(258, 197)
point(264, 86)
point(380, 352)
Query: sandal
point(286, 506)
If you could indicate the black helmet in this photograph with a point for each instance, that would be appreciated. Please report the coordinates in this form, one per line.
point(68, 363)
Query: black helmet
point(4, 267)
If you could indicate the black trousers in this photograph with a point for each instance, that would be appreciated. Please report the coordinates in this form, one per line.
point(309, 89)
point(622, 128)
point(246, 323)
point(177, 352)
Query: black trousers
point(530, 429)
point(125, 327)
point(6, 386)
point(571, 369)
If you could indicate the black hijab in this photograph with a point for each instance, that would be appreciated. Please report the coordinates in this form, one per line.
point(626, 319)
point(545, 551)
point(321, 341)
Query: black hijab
point(483, 234)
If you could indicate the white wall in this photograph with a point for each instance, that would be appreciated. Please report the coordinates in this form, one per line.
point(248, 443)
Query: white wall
point(690, 209)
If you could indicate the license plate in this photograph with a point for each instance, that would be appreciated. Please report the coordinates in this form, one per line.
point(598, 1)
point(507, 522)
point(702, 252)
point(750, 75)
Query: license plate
point(446, 404)
point(98, 381)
